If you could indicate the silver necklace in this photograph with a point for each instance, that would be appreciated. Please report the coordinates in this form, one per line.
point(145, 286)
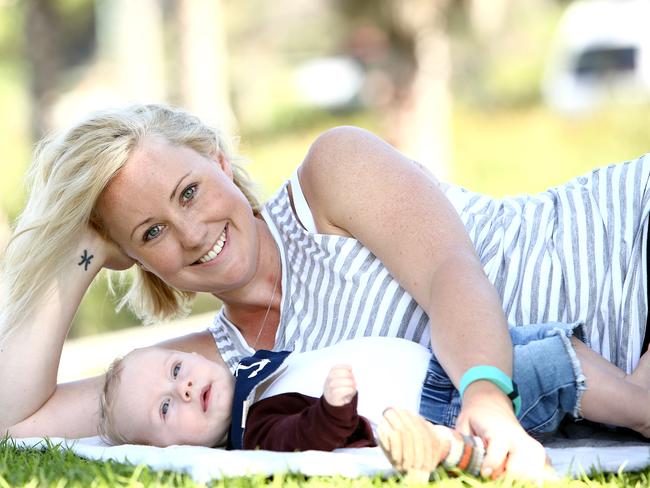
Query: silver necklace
point(268, 309)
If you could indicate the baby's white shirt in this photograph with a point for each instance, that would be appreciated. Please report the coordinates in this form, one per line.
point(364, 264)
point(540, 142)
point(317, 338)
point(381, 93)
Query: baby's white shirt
point(389, 372)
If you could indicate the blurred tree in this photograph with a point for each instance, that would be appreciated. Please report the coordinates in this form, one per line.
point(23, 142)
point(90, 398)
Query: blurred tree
point(500, 48)
point(417, 61)
point(58, 36)
point(130, 38)
point(178, 55)
point(203, 77)
point(488, 18)
point(423, 115)
point(43, 49)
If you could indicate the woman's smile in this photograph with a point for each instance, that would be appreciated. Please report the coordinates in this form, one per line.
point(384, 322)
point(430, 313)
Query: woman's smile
point(215, 250)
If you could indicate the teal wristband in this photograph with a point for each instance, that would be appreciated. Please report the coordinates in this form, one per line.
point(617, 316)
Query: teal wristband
point(495, 376)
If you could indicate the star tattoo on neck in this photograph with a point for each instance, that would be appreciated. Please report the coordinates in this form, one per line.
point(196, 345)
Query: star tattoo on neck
point(85, 259)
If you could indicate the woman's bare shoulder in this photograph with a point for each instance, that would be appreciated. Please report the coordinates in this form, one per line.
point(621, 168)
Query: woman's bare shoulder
point(345, 163)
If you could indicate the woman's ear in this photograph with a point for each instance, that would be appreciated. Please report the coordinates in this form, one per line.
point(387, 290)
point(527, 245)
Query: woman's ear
point(224, 163)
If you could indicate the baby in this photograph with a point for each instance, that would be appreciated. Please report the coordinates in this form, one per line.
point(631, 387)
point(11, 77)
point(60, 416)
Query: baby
point(161, 397)
point(336, 397)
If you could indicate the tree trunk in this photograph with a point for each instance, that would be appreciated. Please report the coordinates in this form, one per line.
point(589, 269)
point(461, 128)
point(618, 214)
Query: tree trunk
point(42, 46)
point(130, 39)
point(423, 115)
point(204, 68)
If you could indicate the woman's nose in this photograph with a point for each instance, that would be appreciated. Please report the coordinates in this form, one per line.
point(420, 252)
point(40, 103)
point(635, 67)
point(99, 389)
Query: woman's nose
point(185, 390)
point(191, 234)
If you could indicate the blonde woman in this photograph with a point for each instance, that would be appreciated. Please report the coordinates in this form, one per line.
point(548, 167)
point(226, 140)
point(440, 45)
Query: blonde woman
point(361, 241)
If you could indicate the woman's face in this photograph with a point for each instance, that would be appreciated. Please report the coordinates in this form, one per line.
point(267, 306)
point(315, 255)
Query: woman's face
point(180, 215)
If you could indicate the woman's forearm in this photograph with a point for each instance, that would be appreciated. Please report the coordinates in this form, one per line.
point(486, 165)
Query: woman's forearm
point(30, 353)
point(72, 412)
point(462, 295)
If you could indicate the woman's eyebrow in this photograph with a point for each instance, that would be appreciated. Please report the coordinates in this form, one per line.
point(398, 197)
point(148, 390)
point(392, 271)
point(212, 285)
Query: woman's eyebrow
point(145, 221)
point(171, 197)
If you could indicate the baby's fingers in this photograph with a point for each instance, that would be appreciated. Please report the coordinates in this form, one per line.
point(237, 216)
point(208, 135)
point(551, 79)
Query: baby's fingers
point(340, 386)
point(340, 371)
point(410, 445)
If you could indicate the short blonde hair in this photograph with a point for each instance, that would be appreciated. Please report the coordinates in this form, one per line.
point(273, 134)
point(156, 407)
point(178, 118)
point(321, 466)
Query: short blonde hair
point(68, 174)
point(108, 430)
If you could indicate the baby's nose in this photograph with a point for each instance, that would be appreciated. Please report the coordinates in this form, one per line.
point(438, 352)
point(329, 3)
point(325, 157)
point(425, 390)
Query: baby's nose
point(186, 390)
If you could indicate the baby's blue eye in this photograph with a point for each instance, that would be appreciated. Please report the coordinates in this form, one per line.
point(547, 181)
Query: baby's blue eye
point(164, 408)
point(152, 232)
point(188, 193)
point(176, 370)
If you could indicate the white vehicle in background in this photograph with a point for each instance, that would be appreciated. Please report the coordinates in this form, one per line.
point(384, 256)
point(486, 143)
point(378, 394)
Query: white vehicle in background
point(601, 54)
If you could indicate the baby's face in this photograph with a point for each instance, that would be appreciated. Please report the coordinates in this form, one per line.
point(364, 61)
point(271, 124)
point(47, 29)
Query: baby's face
point(166, 397)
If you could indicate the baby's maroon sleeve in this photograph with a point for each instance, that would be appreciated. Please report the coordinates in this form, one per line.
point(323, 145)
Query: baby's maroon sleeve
point(295, 422)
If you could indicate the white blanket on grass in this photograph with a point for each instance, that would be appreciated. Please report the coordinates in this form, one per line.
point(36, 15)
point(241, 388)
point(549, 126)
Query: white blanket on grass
point(204, 464)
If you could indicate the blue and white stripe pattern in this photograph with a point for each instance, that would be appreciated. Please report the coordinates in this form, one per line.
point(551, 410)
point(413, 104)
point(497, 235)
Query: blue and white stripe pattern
point(575, 253)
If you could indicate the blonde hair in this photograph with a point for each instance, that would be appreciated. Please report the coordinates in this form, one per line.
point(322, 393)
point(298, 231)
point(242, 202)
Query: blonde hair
point(107, 429)
point(68, 174)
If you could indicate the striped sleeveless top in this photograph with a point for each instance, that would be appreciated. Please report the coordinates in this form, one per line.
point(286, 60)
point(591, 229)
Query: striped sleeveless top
point(574, 253)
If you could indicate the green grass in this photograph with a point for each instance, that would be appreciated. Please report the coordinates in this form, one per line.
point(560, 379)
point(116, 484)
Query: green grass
point(60, 467)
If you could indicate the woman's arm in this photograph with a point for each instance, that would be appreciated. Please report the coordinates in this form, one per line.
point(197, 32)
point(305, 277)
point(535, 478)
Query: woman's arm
point(30, 353)
point(31, 403)
point(358, 185)
point(73, 409)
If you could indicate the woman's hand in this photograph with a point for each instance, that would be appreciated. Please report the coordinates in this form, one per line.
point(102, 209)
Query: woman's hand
point(488, 413)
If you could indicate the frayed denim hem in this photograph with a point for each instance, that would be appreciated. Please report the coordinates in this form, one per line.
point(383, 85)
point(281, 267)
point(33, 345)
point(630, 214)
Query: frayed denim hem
point(581, 384)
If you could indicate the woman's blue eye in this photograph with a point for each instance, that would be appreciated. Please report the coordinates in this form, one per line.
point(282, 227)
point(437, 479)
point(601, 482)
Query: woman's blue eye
point(176, 370)
point(164, 407)
point(188, 193)
point(152, 232)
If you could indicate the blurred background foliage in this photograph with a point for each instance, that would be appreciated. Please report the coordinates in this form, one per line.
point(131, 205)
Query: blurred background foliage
point(454, 84)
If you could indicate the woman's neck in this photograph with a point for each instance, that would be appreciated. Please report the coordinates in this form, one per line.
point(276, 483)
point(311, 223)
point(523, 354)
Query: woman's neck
point(258, 303)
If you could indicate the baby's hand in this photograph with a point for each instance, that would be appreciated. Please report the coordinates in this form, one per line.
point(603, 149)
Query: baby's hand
point(340, 386)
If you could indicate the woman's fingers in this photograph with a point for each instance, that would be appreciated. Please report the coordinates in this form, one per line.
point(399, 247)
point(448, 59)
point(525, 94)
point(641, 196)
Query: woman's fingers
point(462, 425)
point(496, 454)
point(508, 448)
point(527, 459)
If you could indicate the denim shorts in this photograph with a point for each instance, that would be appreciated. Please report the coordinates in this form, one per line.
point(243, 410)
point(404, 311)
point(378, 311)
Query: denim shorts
point(545, 369)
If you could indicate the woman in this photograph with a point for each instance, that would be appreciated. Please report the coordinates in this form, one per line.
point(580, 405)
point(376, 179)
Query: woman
point(361, 242)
